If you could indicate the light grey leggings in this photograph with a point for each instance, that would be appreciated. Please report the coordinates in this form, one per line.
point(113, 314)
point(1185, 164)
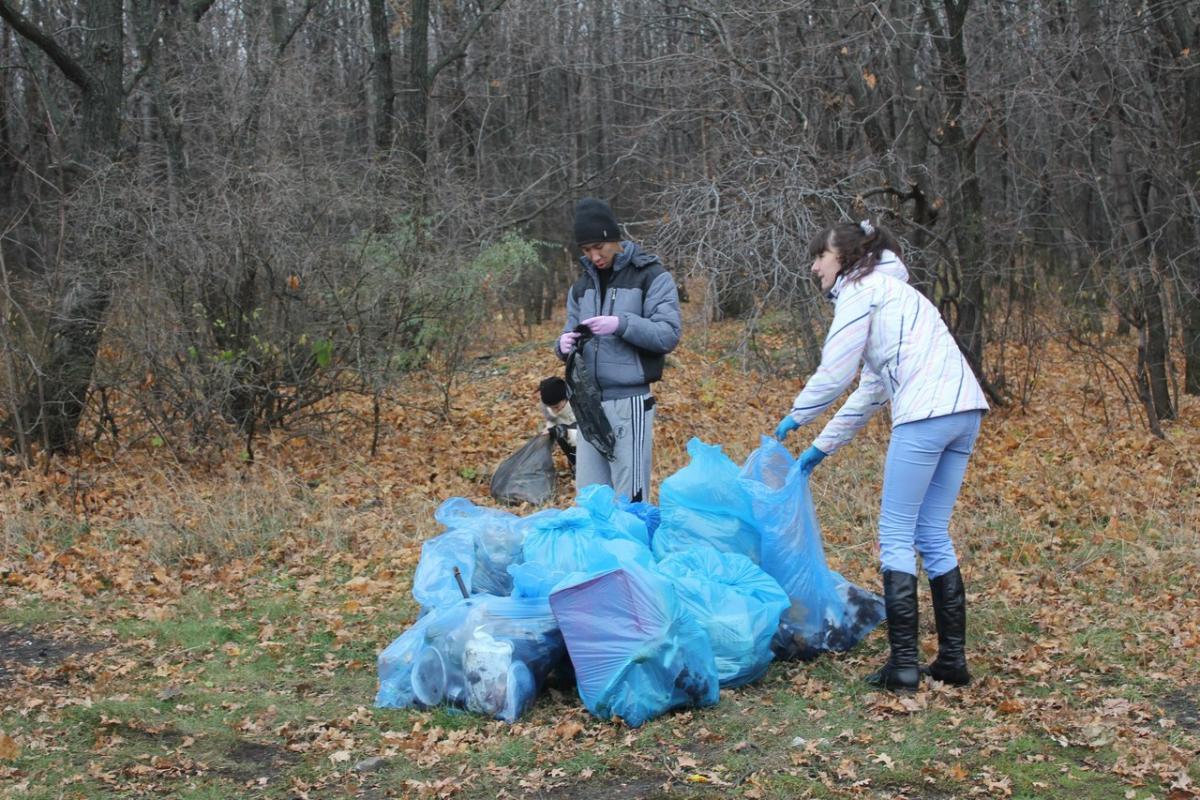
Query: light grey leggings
point(629, 471)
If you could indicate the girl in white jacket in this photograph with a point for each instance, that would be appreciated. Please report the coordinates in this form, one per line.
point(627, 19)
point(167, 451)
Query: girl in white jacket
point(908, 358)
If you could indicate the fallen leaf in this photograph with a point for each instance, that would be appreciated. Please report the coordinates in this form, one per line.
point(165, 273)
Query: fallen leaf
point(1182, 780)
point(1010, 707)
point(568, 729)
point(9, 748)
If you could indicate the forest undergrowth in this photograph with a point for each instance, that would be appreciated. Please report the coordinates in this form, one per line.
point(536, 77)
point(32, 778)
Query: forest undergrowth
point(207, 627)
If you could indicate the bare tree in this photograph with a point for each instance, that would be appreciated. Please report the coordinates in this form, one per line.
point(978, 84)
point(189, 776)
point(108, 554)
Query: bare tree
point(285, 183)
point(1179, 26)
point(55, 399)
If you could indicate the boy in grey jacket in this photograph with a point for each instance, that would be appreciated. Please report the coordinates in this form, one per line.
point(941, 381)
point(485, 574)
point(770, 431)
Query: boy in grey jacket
point(630, 303)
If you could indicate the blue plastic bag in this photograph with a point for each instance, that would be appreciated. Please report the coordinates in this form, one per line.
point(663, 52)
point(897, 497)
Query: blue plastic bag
point(513, 646)
point(496, 542)
point(827, 612)
point(481, 542)
point(637, 653)
point(399, 661)
point(737, 604)
point(591, 537)
point(533, 579)
point(434, 584)
point(486, 654)
point(648, 513)
point(610, 518)
point(705, 503)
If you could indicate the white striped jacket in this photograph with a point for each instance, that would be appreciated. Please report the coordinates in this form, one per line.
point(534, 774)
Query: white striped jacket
point(907, 355)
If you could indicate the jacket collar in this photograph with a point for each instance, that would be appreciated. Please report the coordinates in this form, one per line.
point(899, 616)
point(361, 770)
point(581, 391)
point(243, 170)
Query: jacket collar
point(631, 255)
point(836, 289)
point(889, 264)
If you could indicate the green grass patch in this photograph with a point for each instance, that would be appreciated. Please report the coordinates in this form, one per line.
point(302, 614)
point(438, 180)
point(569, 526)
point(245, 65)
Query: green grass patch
point(224, 700)
point(35, 614)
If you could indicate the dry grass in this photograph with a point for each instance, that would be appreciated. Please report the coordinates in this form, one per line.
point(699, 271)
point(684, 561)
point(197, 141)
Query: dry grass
point(257, 595)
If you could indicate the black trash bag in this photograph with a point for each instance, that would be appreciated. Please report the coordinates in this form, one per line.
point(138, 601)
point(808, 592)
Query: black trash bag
point(583, 393)
point(528, 474)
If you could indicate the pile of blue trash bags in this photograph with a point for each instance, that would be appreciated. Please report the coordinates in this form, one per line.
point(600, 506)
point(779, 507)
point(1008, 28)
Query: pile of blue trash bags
point(645, 608)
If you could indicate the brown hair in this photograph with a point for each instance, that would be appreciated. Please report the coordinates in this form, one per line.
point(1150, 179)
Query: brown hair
point(858, 251)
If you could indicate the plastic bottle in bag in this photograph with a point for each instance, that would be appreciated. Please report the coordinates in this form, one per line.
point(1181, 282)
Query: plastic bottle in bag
point(486, 662)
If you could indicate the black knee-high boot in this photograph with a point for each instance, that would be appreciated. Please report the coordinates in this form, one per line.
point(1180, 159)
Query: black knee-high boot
point(900, 599)
point(950, 612)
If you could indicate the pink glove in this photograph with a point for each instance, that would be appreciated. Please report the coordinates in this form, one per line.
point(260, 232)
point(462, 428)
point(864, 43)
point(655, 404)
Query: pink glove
point(566, 342)
point(602, 326)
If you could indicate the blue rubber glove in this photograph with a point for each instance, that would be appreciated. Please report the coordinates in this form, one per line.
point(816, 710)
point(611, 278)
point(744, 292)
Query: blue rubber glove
point(785, 426)
point(810, 458)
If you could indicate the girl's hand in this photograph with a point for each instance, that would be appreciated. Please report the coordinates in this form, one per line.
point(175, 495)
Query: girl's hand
point(785, 426)
point(810, 458)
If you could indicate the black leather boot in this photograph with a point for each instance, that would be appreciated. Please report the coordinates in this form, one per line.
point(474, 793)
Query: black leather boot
point(900, 599)
point(950, 612)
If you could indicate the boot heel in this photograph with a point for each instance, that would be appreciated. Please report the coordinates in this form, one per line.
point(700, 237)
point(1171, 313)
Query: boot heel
point(895, 679)
point(953, 675)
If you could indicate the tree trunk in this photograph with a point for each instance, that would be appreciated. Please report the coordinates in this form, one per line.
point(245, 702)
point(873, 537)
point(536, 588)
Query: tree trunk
point(421, 74)
point(160, 45)
point(384, 85)
point(916, 141)
point(1190, 278)
point(55, 400)
point(418, 83)
point(8, 161)
point(967, 199)
point(104, 54)
point(1155, 342)
point(76, 331)
point(1154, 348)
point(1180, 31)
point(1191, 330)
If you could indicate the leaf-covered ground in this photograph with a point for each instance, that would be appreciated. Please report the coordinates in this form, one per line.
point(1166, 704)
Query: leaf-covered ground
point(210, 629)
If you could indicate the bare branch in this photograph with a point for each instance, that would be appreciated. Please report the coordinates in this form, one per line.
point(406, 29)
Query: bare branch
point(69, 66)
point(460, 47)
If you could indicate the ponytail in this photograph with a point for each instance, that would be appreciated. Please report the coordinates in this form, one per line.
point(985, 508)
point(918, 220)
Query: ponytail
point(859, 245)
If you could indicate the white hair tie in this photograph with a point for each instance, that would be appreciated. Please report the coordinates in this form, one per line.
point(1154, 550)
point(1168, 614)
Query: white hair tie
point(867, 227)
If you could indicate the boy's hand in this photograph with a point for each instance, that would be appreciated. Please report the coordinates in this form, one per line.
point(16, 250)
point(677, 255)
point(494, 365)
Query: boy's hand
point(566, 342)
point(602, 326)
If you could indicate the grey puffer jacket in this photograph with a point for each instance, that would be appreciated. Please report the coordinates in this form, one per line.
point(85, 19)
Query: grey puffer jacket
point(642, 294)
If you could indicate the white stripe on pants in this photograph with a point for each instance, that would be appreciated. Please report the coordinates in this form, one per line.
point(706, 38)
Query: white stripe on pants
point(629, 471)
